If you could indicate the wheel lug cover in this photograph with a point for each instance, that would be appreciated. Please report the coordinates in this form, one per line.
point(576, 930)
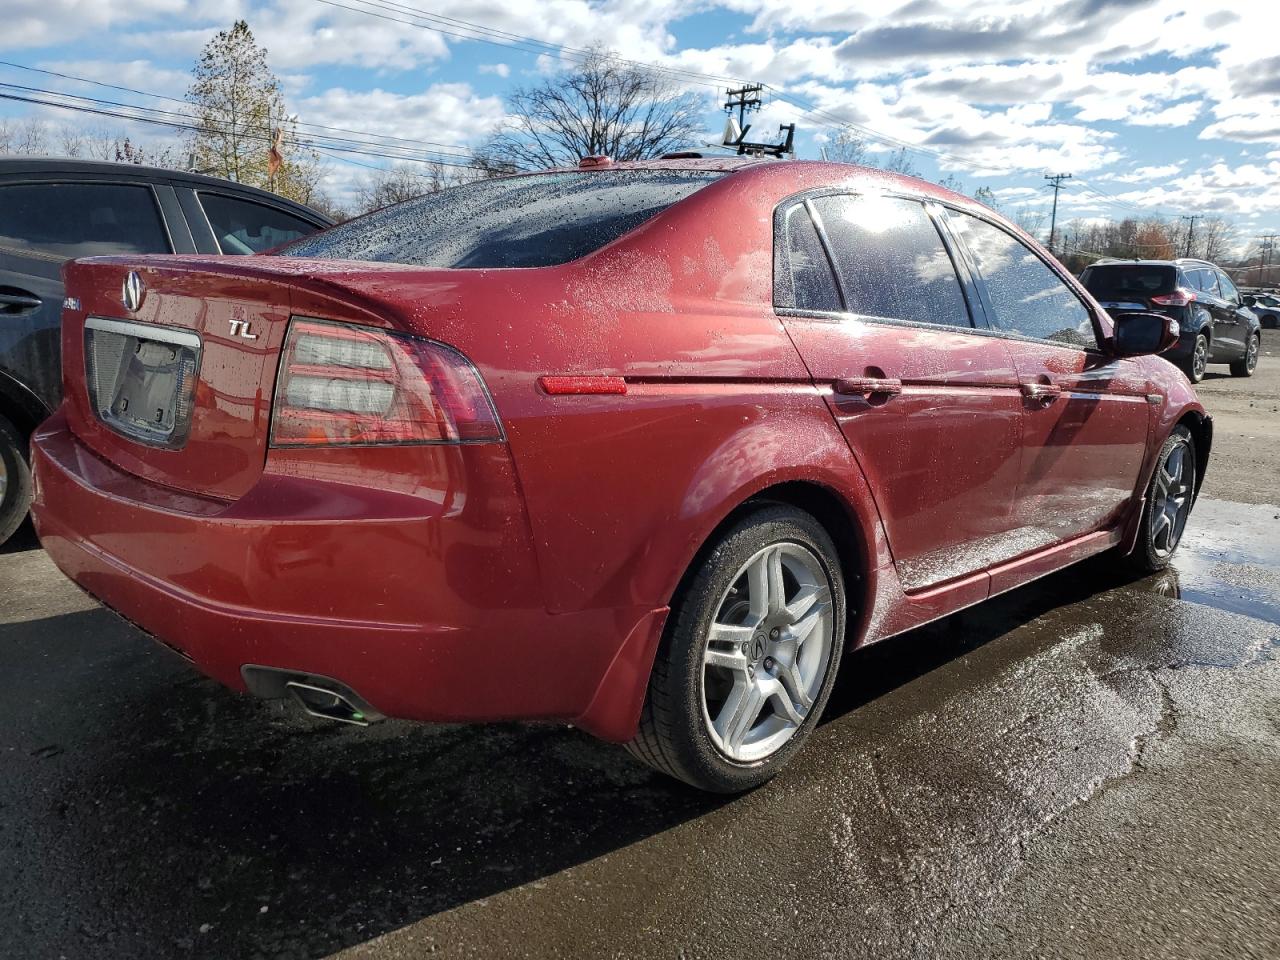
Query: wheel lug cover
point(775, 633)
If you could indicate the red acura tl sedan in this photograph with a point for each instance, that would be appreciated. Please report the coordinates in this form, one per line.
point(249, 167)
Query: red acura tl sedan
point(644, 447)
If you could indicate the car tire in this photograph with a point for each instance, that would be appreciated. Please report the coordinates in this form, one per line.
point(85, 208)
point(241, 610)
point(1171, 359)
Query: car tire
point(1245, 366)
point(1196, 364)
point(15, 480)
point(727, 591)
point(1158, 538)
point(1268, 320)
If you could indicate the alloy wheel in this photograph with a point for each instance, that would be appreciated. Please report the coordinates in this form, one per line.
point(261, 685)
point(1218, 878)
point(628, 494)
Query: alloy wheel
point(4, 479)
point(767, 651)
point(1171, 499)
point(1200, 361)
point(1251, 354)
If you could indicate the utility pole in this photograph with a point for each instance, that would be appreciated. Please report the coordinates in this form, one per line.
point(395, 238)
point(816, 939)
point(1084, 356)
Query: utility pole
point(1191, 230)
point(744, 98)
point(1266, 257)
point(1056, 179)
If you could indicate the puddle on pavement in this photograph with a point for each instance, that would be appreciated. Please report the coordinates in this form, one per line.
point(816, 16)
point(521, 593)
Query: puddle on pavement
point(1229, 559)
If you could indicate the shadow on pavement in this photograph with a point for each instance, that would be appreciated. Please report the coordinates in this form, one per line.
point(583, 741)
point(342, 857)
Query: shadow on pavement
point(148, 811)
point(23, 539)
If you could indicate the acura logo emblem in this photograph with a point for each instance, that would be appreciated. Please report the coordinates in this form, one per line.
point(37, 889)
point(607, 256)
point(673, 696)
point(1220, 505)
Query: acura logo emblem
point(134, 291)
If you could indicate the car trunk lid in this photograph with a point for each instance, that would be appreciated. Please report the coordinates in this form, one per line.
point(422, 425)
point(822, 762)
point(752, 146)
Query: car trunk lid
point(178, 390)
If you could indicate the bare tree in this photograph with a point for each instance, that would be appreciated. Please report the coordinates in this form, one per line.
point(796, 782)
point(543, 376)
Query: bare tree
point(987, 197)
point(847, 146)
point(403, 182)
point(600, 107)
point(902, 163)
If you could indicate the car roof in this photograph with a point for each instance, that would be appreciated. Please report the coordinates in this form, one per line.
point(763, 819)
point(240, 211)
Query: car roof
point(69, 167)
point(1179, 262)
point(799, 174)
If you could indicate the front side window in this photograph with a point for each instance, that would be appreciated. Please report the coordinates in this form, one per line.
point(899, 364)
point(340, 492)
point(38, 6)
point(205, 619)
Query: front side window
point(537, 220)
point(1029, 298)
point(891, 260)
point(244, 227)
point(806, 280)
point(1228, 288)
point(81, 219)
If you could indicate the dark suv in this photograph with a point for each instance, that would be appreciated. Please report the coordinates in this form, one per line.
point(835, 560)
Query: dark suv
point(1216, 325)
point(52, 211)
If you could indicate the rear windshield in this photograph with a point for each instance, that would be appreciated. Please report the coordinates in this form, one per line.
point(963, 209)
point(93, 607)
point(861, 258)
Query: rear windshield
point(1114, 282)
point(530, 221)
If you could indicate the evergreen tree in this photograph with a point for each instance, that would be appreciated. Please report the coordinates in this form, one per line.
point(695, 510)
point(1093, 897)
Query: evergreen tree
point(239, 107)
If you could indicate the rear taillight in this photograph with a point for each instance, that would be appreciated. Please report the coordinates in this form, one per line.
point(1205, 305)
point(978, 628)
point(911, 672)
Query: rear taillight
point(1180, 297)
point(343, 384)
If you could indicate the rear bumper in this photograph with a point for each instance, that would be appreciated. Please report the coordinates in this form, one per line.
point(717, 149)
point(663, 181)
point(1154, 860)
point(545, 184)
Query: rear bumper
point(428, 607)
point(1183, 349)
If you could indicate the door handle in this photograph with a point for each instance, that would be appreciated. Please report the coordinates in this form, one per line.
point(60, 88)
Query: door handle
point(868, 386)
point(18, 302)
point(1041, 393)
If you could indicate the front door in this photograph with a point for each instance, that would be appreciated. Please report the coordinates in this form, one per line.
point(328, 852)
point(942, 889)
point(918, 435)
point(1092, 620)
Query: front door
point(1086, 413)
point(929, 405)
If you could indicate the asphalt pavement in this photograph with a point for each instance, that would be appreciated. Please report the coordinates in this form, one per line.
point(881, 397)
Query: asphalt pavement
point(1086, 767)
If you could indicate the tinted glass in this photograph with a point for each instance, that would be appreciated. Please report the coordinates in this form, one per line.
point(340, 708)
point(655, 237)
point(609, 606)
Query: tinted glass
point(81, 219)
point(891, 260)
point(1028, 297)
point(1121, 281)
point(1227, 287)
point(807, 281)
point(242, 226)
point(1205, 280)
point(528, 221)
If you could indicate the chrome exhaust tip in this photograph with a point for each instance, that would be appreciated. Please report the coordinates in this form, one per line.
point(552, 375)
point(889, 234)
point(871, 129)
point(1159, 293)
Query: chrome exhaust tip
point(317, 695)
point(326, 704)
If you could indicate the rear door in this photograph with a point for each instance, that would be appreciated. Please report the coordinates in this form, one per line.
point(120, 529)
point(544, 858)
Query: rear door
point(1236, 324)
point(1086, 412)
point(44, 223)
point(237, 226)
point(929, 404)
point(1210, 298)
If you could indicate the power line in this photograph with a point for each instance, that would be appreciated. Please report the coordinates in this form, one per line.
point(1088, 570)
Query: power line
point(176, 121)
point(187, 103)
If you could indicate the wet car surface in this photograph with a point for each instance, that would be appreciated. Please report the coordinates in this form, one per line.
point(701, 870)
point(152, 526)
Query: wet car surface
point(1087, 766)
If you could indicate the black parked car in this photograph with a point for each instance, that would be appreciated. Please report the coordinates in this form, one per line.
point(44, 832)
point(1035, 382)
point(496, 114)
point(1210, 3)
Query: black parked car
point(52, 211)
point(1217, 326)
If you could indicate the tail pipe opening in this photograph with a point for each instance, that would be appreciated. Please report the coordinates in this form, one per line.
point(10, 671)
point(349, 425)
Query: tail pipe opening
point(319, 696)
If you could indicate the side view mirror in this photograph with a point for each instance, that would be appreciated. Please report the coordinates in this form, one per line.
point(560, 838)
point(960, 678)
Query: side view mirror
point(1248, 300)
point(1138, 334)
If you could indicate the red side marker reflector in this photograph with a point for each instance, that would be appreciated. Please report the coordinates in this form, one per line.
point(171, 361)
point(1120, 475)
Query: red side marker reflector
point(582, 386)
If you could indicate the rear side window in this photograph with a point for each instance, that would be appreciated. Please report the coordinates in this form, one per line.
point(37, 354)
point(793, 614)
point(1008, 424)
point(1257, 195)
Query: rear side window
point(244, 227)
point(524, 221)
point(81, 219)
point(891, 260)
point(806, 280)
point(1120, 281)
point(1205, 280)
point(1028, 298)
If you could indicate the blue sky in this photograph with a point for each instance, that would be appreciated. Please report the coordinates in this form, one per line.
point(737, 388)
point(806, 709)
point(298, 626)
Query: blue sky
point(1161, 106)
